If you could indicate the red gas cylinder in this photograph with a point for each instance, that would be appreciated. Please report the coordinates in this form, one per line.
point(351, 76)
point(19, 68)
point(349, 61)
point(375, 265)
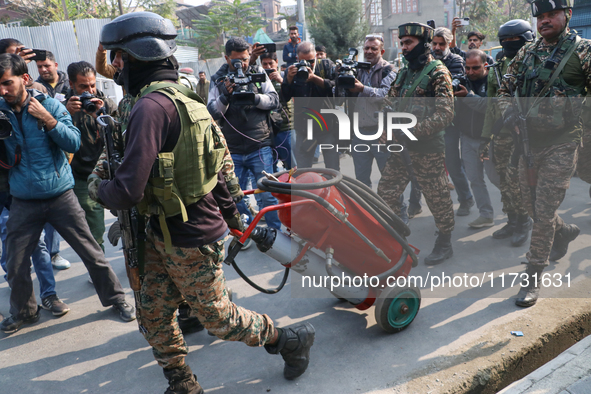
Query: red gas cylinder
point(315, 224)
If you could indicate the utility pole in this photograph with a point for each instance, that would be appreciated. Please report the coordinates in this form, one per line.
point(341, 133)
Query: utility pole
point(65, 7)
point(120, 7)
point(302, 20)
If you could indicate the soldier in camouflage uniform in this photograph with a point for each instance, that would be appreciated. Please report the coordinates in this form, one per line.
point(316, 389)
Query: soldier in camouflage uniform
point(187, 265)
point(424, 88)
point(554, 126)
point(513, 35)
point(584, 163)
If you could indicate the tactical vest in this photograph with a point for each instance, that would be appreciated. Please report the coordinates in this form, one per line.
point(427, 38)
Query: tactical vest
point(182, 177)
point(552, 103)
point(422, 108)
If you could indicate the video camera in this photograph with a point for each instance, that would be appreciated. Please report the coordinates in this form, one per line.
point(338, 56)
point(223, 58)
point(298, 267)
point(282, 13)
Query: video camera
point(457, 80)
point(242, 94)
point(348, 69)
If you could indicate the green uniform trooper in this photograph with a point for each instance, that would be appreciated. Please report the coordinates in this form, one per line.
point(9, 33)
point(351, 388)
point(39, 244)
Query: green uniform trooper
point(513, 35)
point(550, 78)
point(424, 89)
point(179, 181)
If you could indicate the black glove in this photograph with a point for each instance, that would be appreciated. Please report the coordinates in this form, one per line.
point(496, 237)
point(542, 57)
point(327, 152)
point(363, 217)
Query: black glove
point(221, 85)
point(114, 233)
point(483, 148)
point(236, 223)
point(511, 118)
point(235, 190)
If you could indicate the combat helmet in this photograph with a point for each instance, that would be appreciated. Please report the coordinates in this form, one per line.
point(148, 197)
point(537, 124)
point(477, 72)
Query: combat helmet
point(516, 28)
point(538, 7)
point(144, 35)
point(416, 29)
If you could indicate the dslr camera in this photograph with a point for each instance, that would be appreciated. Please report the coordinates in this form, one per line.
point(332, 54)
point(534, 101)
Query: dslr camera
point(348, 69)
point(457, 80)
point(303, 73)
point(88, 105)
point(242, 94)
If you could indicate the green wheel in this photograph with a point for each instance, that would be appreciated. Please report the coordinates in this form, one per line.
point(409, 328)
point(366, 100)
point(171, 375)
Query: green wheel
point(397, 307)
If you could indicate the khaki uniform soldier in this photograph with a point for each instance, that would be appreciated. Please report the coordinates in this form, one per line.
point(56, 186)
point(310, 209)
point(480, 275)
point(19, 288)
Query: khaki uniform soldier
point(424, 88)
point(556, 66)
point(184, 247)
point(513, 35)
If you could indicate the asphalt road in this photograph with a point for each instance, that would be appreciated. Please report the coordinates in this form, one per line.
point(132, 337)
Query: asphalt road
point(89, 350)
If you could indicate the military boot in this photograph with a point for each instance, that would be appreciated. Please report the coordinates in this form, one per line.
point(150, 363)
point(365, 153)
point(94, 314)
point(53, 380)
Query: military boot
point(294, 345)
point(528, 295)
point(182, 381)
point(441, 251)
point(562, 238)
point(188, 323)
point(522, 228)
point(508, 229)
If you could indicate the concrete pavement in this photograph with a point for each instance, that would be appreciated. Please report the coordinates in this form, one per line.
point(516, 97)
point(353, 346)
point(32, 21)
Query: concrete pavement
point(455, 345)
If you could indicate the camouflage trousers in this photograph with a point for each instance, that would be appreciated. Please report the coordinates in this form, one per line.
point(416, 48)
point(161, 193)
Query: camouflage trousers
point(584, 163)
point(193, 275)
point(429, 169)
point(504, 146)
point(555, 166)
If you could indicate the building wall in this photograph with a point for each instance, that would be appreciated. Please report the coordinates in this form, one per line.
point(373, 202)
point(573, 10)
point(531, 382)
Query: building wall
point(581, 20)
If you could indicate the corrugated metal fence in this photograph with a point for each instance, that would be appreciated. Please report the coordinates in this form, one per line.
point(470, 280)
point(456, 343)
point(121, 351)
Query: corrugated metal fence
point(78, 40)
point(75, 41)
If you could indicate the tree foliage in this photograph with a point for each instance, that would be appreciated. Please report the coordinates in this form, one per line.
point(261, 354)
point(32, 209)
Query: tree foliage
point(337, 24)
point(486, 16)
point(224, 20)
point(43, 12)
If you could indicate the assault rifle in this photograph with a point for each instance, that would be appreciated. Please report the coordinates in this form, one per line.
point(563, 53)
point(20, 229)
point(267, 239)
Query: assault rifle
point(531, 173)
point(130, 220)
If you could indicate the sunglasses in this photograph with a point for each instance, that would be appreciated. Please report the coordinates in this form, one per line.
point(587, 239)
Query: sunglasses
point(374, 37)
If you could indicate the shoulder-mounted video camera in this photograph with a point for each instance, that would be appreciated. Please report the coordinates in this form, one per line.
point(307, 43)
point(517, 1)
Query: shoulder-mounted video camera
point(457, 80)
point(348, 69)
point(243, 94)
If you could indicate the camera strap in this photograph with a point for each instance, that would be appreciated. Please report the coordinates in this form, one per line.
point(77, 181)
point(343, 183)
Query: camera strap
point(17, 159)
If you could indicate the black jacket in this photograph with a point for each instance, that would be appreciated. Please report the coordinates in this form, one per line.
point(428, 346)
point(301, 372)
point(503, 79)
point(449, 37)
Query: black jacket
point(470, 110)
point(247, 128)
point(63, 84)
point(454, 63)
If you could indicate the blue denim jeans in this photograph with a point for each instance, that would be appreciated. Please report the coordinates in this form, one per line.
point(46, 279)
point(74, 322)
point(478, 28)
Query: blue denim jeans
point(256, 162)
point(52, 240)
point(40, 257)
point(283, 143)
point(454, 165)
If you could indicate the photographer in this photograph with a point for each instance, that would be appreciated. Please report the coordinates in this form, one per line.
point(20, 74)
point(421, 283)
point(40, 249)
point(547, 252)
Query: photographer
point(282, 138)
point(311, 78)
point(246, 126)
point(372, 85)
point(84, 101)
point(40, 184)
point(469, 121)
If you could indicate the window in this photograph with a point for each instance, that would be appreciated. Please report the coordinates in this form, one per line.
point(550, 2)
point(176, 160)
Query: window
point(394, 37)
point(411, 6)
point(397, 7)
point(373, 13)
point(13, 24)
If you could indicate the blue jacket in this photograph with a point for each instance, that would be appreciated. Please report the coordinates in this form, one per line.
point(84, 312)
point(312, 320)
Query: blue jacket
point(44, 171)
point(290, 53)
